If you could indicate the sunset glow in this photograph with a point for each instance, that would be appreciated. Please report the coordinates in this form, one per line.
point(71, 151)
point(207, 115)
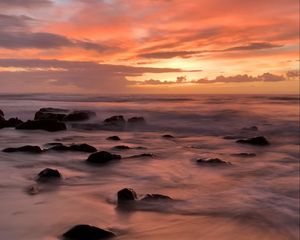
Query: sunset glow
point(117, 46)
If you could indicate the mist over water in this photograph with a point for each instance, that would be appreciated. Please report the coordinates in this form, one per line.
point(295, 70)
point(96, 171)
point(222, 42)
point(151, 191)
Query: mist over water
point(254, 198)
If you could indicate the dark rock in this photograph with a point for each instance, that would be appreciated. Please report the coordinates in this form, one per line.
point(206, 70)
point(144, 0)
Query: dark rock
point(50, 114)
point(27, 148)
point(2, 119)
point(121, 147)
point(54, 144)
point(87, 232)
point(143, 155)
point(1, 113)
point(244, 154)
point(113, 138)
point(102, 157)
point(126, 195)
point(12, 122)
point(259, 141)
point(47, 125)
point(81, 115)
point(48, 174)
point(253, 128)
point(213, 162)
point(115, 121)
point(168, 136)
point(136, 121)
point(74, 147)
point(156, 197)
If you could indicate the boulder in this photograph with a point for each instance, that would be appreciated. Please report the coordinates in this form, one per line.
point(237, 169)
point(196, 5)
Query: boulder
point(126, 195)
point(47, 125)
point(156, 197)
point(48, 174)
point(87, 232)
point(74, 147)
point(81, 115)
point(57, 114)
point(168, 136)
point(113, 138)
point(12, 122)
point(115, 121)
point(258, 141)
point(121, 147)
point(212, 162)
point(136, 121)
point(27, 148)
point(102, 157)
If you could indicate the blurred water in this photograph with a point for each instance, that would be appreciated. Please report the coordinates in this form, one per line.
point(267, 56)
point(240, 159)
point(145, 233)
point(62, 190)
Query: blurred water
point(256, 198)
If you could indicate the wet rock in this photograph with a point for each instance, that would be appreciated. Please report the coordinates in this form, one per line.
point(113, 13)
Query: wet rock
point(48, 174)
point(143, 155)
point(258, 141)
point(246, 155)
point(126, 195)
point(115, 121)
point(212, 162)
point(12, 122)
point(87, 232)
point(74, 147)
point(156, 197)
point(102, 157)
point(113, 138)
point(252, 128)
point(47, 125)
point(1, 114)
point(168, 136)
point(121, 147)
point(50, 114)
point(81, 115)
point(27, 148)
point(136, 121)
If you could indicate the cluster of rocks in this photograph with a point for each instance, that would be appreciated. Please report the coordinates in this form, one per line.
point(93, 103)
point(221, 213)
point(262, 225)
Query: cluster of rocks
point(11, 122)
point(119, 122)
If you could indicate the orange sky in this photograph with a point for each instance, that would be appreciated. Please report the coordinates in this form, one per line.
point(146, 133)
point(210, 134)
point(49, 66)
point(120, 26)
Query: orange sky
point(149, 46)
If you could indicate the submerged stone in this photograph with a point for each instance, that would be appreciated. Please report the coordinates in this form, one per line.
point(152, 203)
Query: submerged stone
point(27, 148)
point(113, 138)
point(156, 197)
point(259, 141)
point(47, 125)
point(87, 232)
point(212, 162)
point(126, 195)
point(102, 157)
point(48, 174)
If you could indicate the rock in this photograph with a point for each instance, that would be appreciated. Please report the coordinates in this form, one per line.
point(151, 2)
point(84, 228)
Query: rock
point(253, 128)
point(168, 136)
point(1, 113)
point(136, 121)
point(87, 232)
point(156, 197)
point(81, 115)
point(115, 121)
point(1, 117)
point(47, 125)
point(126, 195)
point(143, 155)
point(74, 147)
point(258, 141)
point(213, 162)
point(27, 148)
point(244, 154)
point(113, 138)
point(57, 114)
point(121, 147)
point(102, 157)
point(48, 174)
point(12, 122)
point(54, 144)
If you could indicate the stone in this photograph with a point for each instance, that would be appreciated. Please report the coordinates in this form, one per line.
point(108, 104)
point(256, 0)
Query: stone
point(126, 195)
point(80, 115)
point(212, 162)
point(156, 197)
point(113, 138)
point(102, 157)
point(57, 114)
point(258, 141)
point(121, 147)
point(47, 125)
point(27, 148)
point(74, 147)
point(168, 136)
point(115, 121)
point(48, 174)
point(87, 232)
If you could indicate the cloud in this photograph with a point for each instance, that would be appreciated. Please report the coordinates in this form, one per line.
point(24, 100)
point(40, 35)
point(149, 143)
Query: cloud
point(12, 23)
point(253, 46)
point(89, 76)
point(24, 3)
point(161, 55)
point(266, 77)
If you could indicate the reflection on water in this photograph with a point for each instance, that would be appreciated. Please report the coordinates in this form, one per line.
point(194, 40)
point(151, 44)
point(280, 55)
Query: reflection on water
point(255, 198)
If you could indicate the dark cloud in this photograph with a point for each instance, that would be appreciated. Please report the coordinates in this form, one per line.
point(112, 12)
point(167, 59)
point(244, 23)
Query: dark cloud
point(170, 54)
point(44, 40)
point(293, 74)
point(24, 3)
point(13, 23)
point(90, 76)
point(266, 77)
point(253, 46)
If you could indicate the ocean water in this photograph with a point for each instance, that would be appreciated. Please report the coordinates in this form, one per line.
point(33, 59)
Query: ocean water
point(254, 198)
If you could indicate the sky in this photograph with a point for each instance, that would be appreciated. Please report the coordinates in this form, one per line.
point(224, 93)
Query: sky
point(149, 46)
